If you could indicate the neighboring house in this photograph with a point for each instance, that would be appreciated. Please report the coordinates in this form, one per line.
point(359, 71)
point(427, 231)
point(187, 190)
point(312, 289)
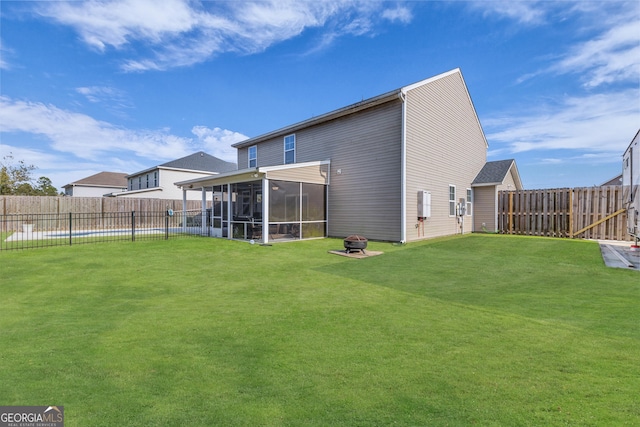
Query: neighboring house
point(631, 186)
point(158, 182)
point(396, 167)
point(493, 177)
point(613, 181)
point(97, 185)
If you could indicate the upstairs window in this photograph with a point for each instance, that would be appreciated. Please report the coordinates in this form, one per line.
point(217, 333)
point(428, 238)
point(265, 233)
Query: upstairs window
point(289, 149)
point(253, 156)
point(469, 201)
point(139, 182)
point(155, 179)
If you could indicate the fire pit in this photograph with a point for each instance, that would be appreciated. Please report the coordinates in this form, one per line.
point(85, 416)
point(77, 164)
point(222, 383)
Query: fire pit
point(355, 243)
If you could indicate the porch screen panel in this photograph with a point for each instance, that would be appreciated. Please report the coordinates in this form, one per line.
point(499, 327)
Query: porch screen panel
point(284, 201)
point(314, 202)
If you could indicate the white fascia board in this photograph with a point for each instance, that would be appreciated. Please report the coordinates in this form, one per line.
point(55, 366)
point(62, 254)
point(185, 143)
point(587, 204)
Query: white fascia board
point(265, 169)
point(143, 190)
point(486, 184)
point(431, 79)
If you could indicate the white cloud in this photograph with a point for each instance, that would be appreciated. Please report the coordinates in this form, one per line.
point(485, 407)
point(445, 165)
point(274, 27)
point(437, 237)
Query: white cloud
point(217, 142)
point(182, 33)
point(613, 56)
point(4, 52)
point(92, 140)
point(601, 124)
point(398, 14)
point(523, 12)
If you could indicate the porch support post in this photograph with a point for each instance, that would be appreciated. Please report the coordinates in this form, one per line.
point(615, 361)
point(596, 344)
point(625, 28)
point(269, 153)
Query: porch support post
point(184, 210)
point(229, 211)
point(265, 210)
point(203, 231)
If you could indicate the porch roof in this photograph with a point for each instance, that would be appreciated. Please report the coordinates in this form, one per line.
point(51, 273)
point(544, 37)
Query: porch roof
point(250, 174)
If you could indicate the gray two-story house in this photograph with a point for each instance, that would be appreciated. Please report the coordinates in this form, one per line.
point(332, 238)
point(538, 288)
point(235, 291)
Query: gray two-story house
point(397, 167)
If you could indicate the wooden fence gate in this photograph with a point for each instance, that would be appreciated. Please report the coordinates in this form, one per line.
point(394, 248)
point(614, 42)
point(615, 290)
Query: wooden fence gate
point(590, 213)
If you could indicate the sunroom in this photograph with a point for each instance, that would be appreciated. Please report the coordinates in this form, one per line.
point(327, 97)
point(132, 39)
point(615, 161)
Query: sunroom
point(264, 204)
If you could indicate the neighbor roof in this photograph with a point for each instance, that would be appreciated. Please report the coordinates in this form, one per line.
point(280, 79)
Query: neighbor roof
point(102, 179)
point(494, 173)
point(199, 161)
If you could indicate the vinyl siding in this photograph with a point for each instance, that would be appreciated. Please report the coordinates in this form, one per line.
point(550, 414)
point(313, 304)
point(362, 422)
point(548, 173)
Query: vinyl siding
point(365, 153)
point(445, 146)
point(485, 208)
point(310, 174)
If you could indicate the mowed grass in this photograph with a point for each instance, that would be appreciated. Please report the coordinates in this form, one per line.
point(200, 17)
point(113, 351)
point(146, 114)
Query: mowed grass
point(475, 330)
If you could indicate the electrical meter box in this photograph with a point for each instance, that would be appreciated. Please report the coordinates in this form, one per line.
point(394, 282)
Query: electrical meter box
point(424, 204)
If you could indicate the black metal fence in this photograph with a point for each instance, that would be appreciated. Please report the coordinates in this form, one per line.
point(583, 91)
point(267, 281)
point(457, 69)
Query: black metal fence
point(26, 231)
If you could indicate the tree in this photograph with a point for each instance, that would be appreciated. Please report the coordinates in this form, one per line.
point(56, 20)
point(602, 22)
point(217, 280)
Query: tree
point(15, 179)
point(44, 187)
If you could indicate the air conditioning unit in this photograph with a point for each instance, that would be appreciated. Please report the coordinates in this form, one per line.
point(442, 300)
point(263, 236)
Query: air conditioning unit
point(424, 204)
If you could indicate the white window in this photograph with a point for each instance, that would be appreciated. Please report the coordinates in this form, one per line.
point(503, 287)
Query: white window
point(155, 179)
point(147, 180)
point(289, 149)
point(139, 182)
point(452, 200)
point(253, 156)
point(469, 201)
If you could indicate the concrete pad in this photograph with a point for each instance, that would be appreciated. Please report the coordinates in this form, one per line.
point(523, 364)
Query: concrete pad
point(357, 255)
point(620, 255)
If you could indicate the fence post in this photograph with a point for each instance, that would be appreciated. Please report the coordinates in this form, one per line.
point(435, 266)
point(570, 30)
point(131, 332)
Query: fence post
point(70, 228)
point(133, 226)
point(166, 225)
point(510, 224)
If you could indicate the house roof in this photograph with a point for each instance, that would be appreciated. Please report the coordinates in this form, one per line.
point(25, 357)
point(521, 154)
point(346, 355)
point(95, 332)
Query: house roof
point(199, 161)
point(102, 179)
point(617, 180)
point(494, 173)
point(394, 95)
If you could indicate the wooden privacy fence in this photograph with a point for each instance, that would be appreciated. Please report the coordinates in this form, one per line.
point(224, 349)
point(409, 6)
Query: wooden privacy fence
point(589, 213)
point(64, 204)
point(103, 211)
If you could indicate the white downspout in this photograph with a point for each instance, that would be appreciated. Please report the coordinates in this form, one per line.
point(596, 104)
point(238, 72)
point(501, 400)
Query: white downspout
point(265, 210)
point(184, 210)
point(229, 210)
point(203, 231)
point(403, 170)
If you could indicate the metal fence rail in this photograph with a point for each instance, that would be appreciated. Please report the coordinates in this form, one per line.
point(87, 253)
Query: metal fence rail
point(26, 231)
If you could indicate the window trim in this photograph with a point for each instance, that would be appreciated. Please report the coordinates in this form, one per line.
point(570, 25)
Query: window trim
point(293, 136)
point(469, 202)
point(452, 202)
point(253, 148)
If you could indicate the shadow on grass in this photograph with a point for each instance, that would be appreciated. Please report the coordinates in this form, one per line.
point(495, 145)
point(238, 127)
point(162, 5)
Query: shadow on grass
point(540, 278)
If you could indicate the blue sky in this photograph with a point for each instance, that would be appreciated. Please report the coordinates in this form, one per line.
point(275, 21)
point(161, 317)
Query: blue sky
point(123, 85)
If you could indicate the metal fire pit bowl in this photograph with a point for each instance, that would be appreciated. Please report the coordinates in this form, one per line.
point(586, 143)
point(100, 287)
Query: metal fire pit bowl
point(355, 243)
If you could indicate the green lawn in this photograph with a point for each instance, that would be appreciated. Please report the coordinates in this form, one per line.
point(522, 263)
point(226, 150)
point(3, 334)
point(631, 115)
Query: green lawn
point(476, 330)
